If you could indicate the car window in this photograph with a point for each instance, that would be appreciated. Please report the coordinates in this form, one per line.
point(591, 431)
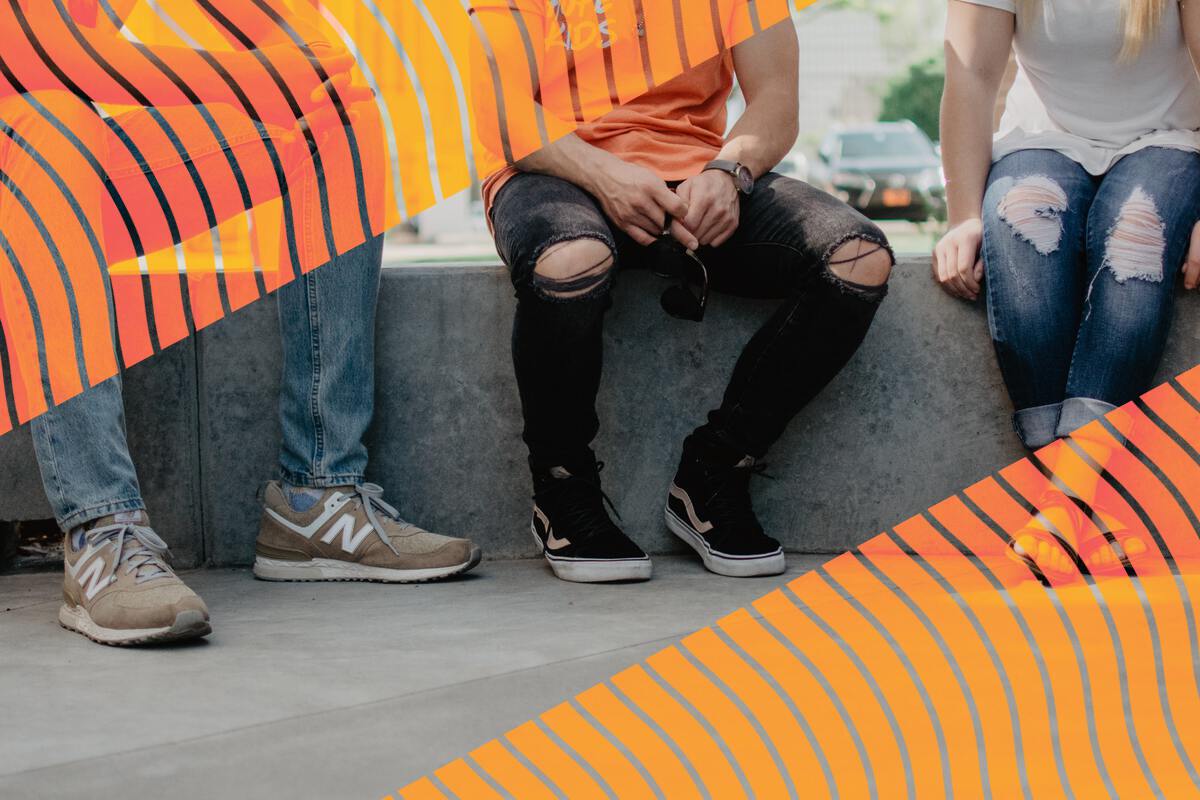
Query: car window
point(884, 143)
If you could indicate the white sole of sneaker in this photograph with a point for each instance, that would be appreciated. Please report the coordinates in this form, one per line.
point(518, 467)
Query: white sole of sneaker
point(729, 566)
point(188, 625)
point(328, 569)
point(594, 570)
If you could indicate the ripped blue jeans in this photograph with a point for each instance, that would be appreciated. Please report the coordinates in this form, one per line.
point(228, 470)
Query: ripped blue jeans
point(1081, 272)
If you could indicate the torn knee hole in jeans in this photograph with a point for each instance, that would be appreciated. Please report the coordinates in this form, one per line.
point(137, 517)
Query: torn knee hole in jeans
point(1033, 208)
point(860, 266)
point(574, 270)
point(1137, 241)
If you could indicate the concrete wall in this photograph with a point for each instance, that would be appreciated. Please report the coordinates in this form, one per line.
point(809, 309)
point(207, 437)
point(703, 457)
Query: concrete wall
point(918, 414)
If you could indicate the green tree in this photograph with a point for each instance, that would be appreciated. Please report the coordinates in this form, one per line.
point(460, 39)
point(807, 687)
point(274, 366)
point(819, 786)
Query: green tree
point(917, 95)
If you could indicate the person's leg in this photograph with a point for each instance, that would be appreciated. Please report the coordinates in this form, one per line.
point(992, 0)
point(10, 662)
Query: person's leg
point(562, 252)
point(117, 588)
point(1139, 230)
point(84, 458)
point(323, 521)
point(1138, 234)
point(830, 265)
point(1034, 224)
point(326, 401)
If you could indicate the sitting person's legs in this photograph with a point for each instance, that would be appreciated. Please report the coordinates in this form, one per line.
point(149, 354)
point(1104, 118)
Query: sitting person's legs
point(1035, 219)
point(562, 251)
point(1091, 264)
point(831, 265)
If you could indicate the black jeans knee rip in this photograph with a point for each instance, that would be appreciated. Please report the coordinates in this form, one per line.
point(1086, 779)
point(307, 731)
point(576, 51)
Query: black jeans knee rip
point(787, 235)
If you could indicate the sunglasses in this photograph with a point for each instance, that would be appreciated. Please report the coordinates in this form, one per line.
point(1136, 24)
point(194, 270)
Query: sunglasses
point(687, 299)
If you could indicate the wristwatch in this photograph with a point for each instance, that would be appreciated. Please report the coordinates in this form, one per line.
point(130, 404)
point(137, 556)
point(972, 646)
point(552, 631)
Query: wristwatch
point(743, 179)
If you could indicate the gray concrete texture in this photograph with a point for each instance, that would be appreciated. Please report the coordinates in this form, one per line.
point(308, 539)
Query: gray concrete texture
point(919, 413)
point(286, 699)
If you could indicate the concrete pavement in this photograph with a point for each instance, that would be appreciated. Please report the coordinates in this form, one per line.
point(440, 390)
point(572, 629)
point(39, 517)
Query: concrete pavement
point(323, 690)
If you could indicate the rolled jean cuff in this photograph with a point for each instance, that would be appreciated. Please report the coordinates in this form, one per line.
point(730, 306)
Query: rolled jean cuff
point(83, 516)
point(300, 481)
point(1079, 411)
point(1038, 426)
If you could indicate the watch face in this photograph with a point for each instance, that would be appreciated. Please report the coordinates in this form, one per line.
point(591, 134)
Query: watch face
point(745, 180)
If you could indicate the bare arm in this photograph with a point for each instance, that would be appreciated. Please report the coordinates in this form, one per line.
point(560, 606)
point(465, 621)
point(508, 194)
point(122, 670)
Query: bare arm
point(767, 68)
point(978, 46)
point(1190, 12)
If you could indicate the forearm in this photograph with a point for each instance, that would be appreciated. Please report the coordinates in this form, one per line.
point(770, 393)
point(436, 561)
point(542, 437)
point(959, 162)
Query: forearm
point(764, 134)
point(966, 125)
point(571, 159)
point(1191, 31)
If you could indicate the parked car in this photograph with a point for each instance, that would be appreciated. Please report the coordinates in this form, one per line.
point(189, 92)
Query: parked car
point(887, 170)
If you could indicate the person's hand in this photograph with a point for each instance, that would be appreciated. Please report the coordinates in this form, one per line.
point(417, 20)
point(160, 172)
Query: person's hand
point(301, 73)
point(325, 115)
point(639, 202)
point(714, 209)
point(1191, 266)
point(957, 265)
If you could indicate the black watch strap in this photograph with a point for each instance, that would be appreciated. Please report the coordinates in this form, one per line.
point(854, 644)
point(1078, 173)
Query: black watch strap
point(742, 179)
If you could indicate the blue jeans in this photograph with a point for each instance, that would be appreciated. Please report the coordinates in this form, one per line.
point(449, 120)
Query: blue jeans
point(1081, 274)
point(327, 320)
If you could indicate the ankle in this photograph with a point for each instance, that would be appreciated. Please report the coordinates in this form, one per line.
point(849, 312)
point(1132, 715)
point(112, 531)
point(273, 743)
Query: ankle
point(713, 447)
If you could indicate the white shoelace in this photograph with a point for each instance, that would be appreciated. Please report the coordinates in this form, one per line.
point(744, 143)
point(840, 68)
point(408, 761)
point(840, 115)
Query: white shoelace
point(371, 497)
point(139, 549)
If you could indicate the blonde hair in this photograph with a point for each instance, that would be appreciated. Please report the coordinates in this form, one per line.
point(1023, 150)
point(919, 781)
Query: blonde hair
point(1142, 20)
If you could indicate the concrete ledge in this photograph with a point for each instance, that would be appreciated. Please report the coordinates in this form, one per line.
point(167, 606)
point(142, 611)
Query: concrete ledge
point(918, 414)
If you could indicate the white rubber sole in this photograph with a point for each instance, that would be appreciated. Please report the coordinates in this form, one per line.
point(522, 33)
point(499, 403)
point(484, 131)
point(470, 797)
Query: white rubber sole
point(594, 570)
point(729, 566)
point(187, 625)
point(328, 569)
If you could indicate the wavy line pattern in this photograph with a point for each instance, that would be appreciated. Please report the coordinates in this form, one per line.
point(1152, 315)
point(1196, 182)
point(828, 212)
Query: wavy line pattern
point(924, 664)
point(164, 163)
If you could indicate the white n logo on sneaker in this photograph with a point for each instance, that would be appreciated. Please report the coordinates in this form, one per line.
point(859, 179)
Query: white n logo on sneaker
point(92, 577)
point(345, 527)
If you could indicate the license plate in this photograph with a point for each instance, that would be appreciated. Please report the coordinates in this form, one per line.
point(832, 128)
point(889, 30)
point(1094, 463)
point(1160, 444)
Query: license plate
point(897, 197)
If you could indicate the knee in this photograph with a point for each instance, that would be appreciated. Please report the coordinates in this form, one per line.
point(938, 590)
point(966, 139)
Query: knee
point(578, 269)
point(1136, 245)
point(1033, 209)
point(863, 260)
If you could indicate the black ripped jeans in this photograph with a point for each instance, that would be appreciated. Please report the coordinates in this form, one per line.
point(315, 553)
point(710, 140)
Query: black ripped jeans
point(782, 248)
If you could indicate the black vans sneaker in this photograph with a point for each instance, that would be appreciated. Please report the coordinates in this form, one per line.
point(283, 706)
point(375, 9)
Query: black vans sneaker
point(577, 537)
point(709, 508)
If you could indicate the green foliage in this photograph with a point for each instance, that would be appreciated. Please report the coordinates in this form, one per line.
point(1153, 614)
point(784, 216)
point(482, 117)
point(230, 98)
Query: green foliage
point(917, 96)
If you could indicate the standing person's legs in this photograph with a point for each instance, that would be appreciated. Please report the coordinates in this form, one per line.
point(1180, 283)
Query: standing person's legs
point(84, 458)
point(831, 266)
point(323, 522)
point(561, 252)
point(1035, 222)
point(117, 589)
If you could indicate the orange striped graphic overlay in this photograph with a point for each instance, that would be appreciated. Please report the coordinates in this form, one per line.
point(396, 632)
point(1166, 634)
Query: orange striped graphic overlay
point(926, 663)
point(164, 163)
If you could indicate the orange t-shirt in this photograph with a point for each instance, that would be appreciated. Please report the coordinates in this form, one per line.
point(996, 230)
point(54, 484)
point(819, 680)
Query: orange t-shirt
point(673, 130)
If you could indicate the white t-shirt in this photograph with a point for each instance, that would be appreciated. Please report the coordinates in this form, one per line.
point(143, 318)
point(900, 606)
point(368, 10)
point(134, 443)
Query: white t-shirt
point(1073, 94)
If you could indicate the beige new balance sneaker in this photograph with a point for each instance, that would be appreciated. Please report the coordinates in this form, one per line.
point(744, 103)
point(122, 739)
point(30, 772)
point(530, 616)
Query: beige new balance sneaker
point(349, 534)
point(118, 590)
